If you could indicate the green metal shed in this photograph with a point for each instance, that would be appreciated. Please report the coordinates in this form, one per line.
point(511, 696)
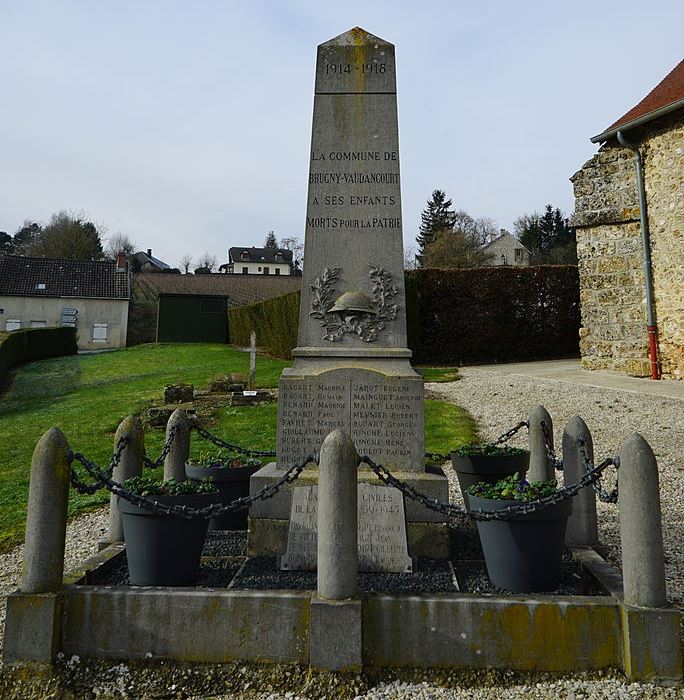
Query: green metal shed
point(190, 318)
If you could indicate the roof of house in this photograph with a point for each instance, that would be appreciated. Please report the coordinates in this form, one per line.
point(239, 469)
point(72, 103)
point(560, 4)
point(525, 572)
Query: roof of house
point(142, 257)
point(667, 96)
point(265, 255)
point(504, 234)
point(53, 277)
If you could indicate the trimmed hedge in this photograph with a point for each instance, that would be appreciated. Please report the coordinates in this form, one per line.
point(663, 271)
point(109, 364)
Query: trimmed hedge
point(275, 321)
point(497, 314)
point(454, 317)
point(35, 344)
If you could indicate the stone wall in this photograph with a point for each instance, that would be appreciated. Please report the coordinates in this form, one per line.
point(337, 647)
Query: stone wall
point(610, 258)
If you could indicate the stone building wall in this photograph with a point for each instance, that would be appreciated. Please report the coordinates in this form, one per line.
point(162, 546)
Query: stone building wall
point(610, 258)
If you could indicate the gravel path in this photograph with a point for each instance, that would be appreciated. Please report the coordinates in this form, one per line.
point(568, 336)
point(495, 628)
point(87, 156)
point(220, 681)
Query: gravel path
point(497, 402)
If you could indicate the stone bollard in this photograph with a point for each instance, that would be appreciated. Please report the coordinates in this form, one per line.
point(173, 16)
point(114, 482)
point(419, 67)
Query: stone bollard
point(174, 462)
point(335, 620)
point(643, 562)
point(582, 529)
point(541, 468)
point(338, 555)
point(47, 515)
point(131, 464)
point(650, 630)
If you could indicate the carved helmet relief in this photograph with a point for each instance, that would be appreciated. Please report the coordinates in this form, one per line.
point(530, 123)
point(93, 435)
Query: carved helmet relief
point(353, 312)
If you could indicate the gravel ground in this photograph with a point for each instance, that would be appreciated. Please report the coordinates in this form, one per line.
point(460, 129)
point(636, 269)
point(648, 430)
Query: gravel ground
point(497, 402)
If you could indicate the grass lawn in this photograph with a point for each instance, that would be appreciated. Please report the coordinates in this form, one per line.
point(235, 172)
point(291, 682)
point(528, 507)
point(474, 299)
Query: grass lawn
point(86, 396)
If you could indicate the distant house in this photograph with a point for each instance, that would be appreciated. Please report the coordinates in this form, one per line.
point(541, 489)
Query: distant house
point(146, 262)
point(629, 324)
point(91, 295)
point(506, 249)
point(258, 261)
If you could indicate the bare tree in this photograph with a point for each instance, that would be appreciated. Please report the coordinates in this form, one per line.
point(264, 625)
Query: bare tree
point(410, 259)
point(453, 249)
point(206, 262)
point(185, 263)
point(297, 248)
point(119, 242)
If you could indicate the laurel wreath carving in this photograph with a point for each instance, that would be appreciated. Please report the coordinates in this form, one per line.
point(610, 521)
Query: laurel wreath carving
point(365, 326)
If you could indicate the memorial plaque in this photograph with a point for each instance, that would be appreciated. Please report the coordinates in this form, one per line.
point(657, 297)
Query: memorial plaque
point(382, 414)
point(381, 530)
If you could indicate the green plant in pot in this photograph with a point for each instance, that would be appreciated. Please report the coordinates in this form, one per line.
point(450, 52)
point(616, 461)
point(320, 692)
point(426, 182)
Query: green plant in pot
point(473, 463)
point(523, 555)
point(231, 474)
point(164, 550)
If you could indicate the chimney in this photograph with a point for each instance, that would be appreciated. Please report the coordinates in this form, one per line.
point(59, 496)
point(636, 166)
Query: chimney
point(121, 261)
point(149, 252)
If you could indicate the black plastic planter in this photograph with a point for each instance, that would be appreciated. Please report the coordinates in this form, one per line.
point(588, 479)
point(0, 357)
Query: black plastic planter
point(524, 555)
point(163, 550)
point(232, 483)
point(489, 468)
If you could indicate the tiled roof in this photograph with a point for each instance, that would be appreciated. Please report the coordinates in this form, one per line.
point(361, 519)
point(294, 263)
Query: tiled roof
point(51, 277)
point(265, 255)
point(667, 93)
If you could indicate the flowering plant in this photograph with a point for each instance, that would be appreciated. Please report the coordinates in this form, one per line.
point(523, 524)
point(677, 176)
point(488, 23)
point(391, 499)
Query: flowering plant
point(223, 458)
point(150, 485)
point(513, 488)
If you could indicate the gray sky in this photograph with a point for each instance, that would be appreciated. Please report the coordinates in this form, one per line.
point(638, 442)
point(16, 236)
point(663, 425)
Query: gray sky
point(186, 125)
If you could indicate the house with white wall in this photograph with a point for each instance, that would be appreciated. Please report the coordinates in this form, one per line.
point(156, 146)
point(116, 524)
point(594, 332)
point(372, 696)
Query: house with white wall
point(91, 295)
point(258, 261)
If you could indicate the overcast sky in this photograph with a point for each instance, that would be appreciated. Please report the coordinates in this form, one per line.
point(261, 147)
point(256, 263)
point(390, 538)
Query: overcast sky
point(187, 125)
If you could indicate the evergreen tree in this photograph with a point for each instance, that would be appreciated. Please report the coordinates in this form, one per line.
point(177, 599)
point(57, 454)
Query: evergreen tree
point(270, 241)
point(548, 237)
point(25, 237)
point(437, 216)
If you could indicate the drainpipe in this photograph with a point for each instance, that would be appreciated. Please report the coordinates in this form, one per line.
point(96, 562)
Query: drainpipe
point(651, 326)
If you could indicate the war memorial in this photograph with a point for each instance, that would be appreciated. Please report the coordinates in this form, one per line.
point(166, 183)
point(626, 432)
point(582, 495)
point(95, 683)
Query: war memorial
point(349, 559)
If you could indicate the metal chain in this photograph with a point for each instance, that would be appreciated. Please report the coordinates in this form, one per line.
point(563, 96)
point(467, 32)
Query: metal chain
point(512, 512)
point(94, 469)
point(603, 495)
point(228, 446)
point(505, 437)
point(182, 511)
point(151, 464)
point(550, 453)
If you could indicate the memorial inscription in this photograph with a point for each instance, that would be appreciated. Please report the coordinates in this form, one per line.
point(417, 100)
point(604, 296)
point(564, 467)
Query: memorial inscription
point(381, 530)
point(382, 414)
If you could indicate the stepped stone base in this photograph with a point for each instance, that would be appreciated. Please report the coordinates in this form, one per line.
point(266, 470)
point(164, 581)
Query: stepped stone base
point(427, 530)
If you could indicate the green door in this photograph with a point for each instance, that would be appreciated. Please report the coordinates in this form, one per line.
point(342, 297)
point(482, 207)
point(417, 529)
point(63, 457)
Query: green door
point(185, 318)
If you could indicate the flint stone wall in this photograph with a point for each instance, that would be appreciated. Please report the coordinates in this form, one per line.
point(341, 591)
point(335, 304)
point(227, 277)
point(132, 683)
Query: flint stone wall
point(610, 258)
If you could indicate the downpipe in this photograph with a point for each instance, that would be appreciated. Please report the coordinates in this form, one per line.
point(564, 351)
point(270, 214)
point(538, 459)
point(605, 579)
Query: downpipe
point(651, 327)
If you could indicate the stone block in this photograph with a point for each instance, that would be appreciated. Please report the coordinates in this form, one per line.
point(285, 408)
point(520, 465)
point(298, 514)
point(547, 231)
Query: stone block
point(429, 540)
point(651, 647)
point(32, 627)
point(178, 393)
point(335, 635)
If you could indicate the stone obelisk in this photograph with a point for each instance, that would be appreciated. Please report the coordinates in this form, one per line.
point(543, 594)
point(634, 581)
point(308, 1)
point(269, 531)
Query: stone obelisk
point(351, 366)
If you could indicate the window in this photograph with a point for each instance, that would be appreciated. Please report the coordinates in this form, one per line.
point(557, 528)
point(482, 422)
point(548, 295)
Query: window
point(245, 270)
point(260, 269)
point(279, 256)
point(12, 324)
point(40, 285)
point(277, 270)
point(244, 255)
point(266, 271)
point(519, 257)
point(99, 332)
point(38, 324)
